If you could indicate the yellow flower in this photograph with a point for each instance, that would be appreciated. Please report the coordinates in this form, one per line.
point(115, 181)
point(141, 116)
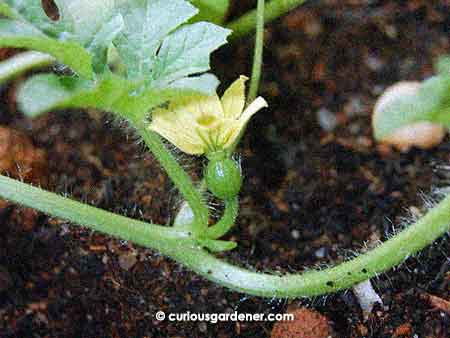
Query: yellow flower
point(199, 124)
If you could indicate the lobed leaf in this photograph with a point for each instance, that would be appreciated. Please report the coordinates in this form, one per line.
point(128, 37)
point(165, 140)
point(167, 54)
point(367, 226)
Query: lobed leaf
point(152, 47)
point(147, 22)
point(90, 24)
point(187, 52)
point(163, 61)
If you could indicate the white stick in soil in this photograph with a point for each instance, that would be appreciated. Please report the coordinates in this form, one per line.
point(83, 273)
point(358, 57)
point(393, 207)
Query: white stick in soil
point(367, 296)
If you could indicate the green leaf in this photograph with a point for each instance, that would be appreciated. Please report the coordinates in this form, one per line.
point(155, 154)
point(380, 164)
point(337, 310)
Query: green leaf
point(19, 34)
point(93, 24)
point(147, 22)
point(186, 52)
point(80, 20)
point(401, 112)
point(102, 40)
point(32, 12)
point(432, 103)
point(46, 92)
point(147, 35)
point(211, 10)
point(163, 60)
point(435, 96)
point(153, 48)
point(83, 19)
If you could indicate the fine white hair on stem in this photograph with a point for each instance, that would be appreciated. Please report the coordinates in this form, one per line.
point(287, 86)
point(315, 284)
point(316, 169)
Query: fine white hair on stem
point(428, 201)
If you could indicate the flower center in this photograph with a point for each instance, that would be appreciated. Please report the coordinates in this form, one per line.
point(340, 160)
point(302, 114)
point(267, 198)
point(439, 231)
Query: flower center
point(206, 120)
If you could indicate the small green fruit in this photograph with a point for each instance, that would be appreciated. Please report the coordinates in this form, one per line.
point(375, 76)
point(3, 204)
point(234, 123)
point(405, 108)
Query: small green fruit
point(223, 177)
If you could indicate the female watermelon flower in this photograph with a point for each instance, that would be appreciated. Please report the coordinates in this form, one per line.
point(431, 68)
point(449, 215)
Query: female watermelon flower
point(201, 124)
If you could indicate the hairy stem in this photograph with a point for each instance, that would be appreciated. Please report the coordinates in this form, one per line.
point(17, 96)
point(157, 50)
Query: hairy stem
point(146, 234)
point(177, 245)
point(178, 176)
point(389, 254)
point(23, 62)
point(258, 54)
point(273, 9)
point(227, 221)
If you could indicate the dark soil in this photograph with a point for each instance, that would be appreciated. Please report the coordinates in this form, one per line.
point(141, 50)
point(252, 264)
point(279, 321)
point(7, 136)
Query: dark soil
point(312, 196)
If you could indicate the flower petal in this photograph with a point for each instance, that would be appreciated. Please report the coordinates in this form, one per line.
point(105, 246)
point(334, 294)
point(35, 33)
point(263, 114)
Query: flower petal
point(178, 124)
point(233, 100)
point(229, 133)
point(197, 123)
point(252, 109)
point(233, 128)
point(203, 105)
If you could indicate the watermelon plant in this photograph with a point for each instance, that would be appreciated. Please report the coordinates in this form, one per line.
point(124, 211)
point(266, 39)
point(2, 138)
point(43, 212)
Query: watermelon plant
point(163, 88)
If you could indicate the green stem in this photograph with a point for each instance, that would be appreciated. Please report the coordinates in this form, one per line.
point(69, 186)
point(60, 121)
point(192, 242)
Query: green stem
point(177, 245)
point(146, 234)
point(23, 62)
point(257, 66)
point(316, 282)
point(273, 9)
point(178, 176)
point(258, 54)
point(226, 222)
